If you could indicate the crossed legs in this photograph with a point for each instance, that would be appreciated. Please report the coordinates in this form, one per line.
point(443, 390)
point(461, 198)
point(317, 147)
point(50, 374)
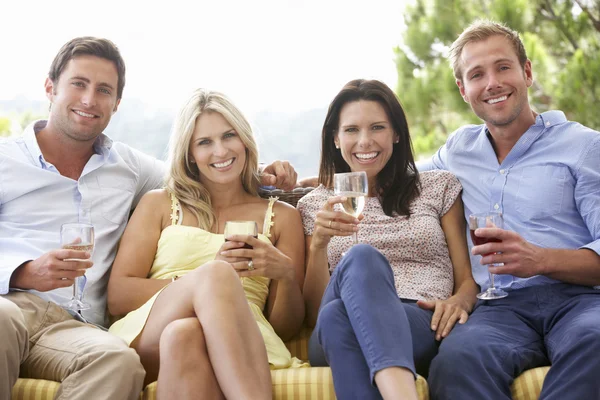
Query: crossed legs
point(201, 340)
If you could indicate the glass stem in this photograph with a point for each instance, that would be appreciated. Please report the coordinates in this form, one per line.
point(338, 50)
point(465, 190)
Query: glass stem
point(355, 237)
point(491, 280)
point(76, 288)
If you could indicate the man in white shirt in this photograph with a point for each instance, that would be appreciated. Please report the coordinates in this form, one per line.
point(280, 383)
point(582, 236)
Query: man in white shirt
point(66, 170)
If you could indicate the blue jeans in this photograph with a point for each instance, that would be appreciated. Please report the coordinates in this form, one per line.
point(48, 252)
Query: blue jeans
point(363, 327)
point(556, 324)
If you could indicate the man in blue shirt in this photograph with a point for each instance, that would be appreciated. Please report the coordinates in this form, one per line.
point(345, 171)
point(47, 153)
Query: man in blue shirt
point(66, 170)
point(543, 173)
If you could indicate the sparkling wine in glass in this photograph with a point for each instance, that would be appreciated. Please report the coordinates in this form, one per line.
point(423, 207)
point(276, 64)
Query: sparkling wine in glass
point(355, 187)
point(487, 220)
point(77, 236)
point(241, 228)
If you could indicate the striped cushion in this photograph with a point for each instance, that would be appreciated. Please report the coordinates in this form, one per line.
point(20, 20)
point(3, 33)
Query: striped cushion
point(528, 385)
point(294, 384)
point(302, 384)
point(34, 389)
point(298, 346)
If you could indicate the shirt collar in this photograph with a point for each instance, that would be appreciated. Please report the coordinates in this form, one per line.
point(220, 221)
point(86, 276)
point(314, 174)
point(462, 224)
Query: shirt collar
point(102, 144)
point(550, 118)
point(546, 119)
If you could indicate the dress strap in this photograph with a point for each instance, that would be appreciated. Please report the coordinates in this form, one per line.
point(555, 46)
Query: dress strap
point(176, 211)
point(269, 217)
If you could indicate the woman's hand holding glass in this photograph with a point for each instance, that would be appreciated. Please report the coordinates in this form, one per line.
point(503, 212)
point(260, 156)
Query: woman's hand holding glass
point(354, 188)
point(266, 259)
point(330, 223)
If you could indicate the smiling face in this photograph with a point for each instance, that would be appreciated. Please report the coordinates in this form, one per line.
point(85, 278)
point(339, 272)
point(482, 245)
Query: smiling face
point(217, 150)
point(84, 98)
point(365, 136)
point(494, 83)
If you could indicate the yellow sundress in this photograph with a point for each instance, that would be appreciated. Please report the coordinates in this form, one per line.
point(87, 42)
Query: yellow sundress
point(183, 248)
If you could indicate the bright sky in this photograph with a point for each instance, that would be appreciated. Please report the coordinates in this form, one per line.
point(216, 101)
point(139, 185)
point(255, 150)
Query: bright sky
point(279, 55)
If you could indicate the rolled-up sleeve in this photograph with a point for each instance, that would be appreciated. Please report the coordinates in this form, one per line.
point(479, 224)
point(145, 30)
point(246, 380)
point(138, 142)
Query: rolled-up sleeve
point(8, 265)
point(587, 193)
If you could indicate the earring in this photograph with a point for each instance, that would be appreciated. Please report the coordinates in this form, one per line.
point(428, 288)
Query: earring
point(193, 161)
point(337, 146)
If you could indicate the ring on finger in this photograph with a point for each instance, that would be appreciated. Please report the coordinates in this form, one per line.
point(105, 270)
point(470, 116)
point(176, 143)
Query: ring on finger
point(250, 265)
point(330, 222)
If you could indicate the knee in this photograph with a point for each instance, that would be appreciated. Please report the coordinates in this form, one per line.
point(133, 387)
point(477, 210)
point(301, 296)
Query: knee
point(333, 322)
point(216, 271)
point(115, 356)
point(365, 263)
point(214, 279)
point(459, 350)
point(180, 339)
point(10, 313)
point(11, 322)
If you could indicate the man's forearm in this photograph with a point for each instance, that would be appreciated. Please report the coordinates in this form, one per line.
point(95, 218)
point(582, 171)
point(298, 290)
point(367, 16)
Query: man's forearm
point(580, 267)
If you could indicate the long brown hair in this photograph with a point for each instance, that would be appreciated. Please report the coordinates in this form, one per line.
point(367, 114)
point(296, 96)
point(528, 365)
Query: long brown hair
point(397, 184)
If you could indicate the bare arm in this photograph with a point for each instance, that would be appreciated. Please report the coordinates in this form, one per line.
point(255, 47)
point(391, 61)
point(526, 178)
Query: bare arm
point(454, 226)
point(129, 286)
point(457, 307)
point(328, 223)
point(317, 278)
point(285, 306)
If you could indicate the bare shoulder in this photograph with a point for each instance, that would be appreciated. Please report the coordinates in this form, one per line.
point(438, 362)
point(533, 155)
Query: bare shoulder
point(285, 210)
point(155, 198)
point(154, 206)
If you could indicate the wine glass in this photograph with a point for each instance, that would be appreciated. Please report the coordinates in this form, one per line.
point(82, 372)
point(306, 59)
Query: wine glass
point(77, 236)
point(355, 187)
point(487, 220)
point(241, 228)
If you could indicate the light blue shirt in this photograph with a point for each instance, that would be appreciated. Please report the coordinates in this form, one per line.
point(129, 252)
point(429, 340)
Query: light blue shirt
point(35, 200)
point(547, 187)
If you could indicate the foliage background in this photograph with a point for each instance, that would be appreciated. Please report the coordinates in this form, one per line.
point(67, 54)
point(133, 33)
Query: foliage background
point(562, 39)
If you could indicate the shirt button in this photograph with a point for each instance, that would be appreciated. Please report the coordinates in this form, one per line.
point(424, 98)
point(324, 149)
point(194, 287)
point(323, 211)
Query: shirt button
point(496, 206)
point(502, 171)
point(547, 123)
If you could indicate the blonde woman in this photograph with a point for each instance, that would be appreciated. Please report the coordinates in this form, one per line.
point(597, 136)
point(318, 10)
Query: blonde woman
point(198, 328)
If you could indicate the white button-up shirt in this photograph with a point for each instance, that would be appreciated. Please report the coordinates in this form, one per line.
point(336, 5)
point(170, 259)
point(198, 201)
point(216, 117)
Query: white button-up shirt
point(35, 200)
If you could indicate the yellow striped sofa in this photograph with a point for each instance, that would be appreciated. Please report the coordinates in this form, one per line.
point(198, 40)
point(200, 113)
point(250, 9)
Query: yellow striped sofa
point(292, 384)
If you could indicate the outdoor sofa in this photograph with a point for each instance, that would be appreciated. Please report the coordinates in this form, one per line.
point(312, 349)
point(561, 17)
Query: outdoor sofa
point(293, 384)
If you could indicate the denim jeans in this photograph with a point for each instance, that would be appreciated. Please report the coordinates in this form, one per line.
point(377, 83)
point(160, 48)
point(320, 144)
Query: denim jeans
point(556, 324)
point(363, 327)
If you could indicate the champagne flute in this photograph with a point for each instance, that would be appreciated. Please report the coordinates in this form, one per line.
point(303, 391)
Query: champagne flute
point(355, 187)
point(487, 220)
point(77, 236)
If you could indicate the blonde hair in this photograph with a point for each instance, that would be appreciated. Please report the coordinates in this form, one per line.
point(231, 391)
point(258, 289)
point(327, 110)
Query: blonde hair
point(183, 177)
point(481, 30)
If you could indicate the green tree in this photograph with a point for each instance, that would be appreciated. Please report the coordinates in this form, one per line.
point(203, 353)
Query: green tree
point(562, 38)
